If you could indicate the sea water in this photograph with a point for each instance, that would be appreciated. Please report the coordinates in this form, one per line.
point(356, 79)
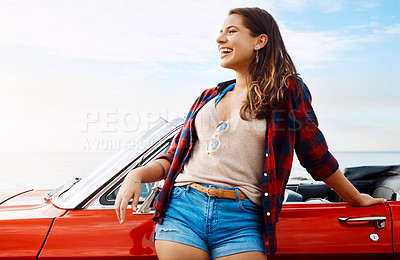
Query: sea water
point(48, 170)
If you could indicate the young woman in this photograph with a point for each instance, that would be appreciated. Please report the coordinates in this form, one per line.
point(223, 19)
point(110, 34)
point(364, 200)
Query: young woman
point(226, 171)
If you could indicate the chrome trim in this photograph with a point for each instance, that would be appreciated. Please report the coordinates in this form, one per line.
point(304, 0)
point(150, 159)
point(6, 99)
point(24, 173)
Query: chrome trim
point(97, 205)
point(344, 219)
point(145, 207)
point(374, 237)
point(378, 221)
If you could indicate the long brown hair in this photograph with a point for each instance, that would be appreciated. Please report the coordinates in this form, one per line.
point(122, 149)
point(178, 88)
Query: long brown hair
point(270, 74)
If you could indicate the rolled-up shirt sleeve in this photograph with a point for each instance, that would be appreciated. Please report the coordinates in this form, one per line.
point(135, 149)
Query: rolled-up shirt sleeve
point(169, 156)
point(310, 144)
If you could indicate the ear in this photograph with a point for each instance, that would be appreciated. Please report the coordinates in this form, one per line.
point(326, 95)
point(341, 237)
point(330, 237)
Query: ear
point(262, 39)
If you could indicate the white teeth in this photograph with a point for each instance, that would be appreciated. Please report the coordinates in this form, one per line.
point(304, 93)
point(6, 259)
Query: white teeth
point(225, 50)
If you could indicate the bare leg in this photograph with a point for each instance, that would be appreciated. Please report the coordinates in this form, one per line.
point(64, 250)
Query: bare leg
point(253, 255)
point(167, 250)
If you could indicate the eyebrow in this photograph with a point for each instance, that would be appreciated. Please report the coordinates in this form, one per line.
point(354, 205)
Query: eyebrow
point(230, 26)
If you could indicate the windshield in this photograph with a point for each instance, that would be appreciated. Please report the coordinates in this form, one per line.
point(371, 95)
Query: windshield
point(131, 151)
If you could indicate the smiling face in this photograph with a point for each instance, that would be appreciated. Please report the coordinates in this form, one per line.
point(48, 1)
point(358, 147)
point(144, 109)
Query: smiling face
point(236, 44)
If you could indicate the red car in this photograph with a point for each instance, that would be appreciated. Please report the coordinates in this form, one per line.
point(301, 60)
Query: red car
point(78, 219)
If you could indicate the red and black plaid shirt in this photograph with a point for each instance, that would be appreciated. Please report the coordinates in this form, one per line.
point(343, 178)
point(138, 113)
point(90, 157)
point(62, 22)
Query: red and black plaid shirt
point(292, 126)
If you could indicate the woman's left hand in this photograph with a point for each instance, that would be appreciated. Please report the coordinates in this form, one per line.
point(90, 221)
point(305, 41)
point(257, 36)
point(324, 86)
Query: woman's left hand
point(366, 200)
point(349, 193)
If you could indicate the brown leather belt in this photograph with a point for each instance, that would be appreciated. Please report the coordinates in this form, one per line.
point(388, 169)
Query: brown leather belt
point(220, 193)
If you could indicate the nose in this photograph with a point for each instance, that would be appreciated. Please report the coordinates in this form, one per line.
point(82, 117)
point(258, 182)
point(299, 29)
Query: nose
point(221, 38)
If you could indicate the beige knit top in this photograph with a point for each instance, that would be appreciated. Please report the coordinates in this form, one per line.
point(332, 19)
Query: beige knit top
point(239, 160)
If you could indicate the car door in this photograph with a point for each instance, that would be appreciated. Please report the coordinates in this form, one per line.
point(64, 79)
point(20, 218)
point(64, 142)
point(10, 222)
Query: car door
point(395, 210)
point(333, 231)
point(94, 232)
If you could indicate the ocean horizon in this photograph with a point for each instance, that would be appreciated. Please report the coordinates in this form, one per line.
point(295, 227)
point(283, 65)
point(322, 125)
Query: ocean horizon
point(48, 170)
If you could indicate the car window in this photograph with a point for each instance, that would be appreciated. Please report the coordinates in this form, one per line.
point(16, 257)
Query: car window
point(145, 191)
point(109, 197)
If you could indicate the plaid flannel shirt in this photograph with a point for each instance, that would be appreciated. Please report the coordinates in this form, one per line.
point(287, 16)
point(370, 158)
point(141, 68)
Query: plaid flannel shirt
point(292, 126)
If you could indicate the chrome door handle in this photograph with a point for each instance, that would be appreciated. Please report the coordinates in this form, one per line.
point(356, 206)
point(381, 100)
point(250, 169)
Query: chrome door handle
point(362, 219)
point(378, 221)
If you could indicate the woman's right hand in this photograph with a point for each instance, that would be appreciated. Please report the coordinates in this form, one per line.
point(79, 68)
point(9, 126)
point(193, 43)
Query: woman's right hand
point(131, 186)
point(129, 189)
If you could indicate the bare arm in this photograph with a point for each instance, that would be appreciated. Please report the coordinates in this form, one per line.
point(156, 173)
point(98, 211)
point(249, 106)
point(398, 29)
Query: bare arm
point(348, 192)
point(131, 185)
point(151, 172)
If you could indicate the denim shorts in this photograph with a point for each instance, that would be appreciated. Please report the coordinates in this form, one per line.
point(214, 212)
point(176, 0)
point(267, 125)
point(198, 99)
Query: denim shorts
point(220, 227)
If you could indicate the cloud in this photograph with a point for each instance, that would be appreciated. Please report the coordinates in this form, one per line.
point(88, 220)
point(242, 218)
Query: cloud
point(330, 6)
point(145, 32)
point(117, 30)
point(152, 34)
point(326, 6)
point(391, 30)
point(312, 49)
point(365, 5)
point(104, 30)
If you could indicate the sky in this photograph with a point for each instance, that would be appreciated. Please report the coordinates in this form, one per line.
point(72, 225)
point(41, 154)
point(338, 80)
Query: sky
point(90, 75)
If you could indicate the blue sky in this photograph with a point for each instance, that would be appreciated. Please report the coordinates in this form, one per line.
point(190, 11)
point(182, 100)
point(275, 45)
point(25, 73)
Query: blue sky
point(89, 75)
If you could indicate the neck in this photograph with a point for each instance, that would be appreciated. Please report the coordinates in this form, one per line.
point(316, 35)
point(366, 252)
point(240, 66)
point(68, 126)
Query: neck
point(242, 81)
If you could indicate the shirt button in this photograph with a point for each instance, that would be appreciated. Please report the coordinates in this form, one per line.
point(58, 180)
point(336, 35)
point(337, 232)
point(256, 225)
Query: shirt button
point(268, 213)
point(266, 194)
point(266, 155)
point(265, 174)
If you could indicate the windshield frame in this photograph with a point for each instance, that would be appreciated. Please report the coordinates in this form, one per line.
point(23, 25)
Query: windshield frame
point(130, 155)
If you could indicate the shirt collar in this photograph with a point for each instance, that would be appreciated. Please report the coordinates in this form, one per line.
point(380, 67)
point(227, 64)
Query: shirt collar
point(221, 86)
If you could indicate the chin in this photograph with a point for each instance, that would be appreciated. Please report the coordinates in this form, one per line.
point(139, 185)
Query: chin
point(226, 65)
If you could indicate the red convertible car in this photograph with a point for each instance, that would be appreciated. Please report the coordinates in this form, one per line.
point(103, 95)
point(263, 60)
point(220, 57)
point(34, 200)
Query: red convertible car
point(78, 219)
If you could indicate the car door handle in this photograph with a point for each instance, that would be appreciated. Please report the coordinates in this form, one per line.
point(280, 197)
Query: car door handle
point(378, 221)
